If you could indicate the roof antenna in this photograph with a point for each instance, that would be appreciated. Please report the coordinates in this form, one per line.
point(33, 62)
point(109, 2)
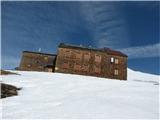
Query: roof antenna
point(39, 50)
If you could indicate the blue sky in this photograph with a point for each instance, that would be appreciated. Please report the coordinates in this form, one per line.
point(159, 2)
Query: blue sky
point(131, 27)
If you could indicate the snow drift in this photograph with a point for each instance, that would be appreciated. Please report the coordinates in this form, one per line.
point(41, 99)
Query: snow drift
point(57, 95)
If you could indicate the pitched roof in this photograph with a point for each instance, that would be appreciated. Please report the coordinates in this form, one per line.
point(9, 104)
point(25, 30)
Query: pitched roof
point(106, 50)
point(39, 53)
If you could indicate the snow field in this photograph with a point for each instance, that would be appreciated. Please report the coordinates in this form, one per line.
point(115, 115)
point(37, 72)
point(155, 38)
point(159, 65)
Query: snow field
point(57, 95)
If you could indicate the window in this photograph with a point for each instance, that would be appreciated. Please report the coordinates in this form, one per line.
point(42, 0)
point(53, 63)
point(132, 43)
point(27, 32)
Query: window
point(78, 55)
point(77, 66)
point(97, 58)
point(116, 61)
point(56, 68)
point(85, 68)
point(49, 70)
point(115, 72)
point(67, 53)
point(45, 58)
point(29, 65)
point(86, 56)
point(40, 67)
point(112, 59)
point(97, 69)
point(65, 65)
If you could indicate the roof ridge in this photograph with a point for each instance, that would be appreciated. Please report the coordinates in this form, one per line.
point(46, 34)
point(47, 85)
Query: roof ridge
point(105, 49)
point(40, 53)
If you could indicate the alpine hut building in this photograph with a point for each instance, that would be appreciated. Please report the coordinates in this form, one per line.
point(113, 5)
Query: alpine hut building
point(37, 61)
point(80, 60)
point(104, 62)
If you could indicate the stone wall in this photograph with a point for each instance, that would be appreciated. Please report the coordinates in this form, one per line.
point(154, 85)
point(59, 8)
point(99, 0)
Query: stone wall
point(32, 61)
point(88, 62)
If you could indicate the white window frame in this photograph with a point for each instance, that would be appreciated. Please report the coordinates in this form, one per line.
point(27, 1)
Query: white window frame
point(112, 59)
point(116, 61)
point(116, 72)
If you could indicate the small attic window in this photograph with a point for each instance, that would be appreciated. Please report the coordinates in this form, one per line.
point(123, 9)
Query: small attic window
point(112, 59)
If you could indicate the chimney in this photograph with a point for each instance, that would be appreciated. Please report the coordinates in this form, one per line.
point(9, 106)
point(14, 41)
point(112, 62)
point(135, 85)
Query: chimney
point(39, 50)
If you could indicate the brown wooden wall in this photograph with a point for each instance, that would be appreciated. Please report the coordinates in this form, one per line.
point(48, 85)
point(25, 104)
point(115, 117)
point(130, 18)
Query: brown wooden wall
point(37, 62)
point(88, 62)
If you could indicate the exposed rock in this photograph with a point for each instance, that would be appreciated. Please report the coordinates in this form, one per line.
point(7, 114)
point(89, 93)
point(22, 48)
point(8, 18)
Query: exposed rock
point(4, 72)
point(8, 90)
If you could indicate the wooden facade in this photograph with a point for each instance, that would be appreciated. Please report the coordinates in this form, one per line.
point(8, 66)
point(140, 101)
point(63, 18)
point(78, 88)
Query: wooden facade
point(94, 62)
point(36, 61)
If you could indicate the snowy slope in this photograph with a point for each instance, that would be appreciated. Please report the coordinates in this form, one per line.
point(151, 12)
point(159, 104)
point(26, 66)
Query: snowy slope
point(57, 95)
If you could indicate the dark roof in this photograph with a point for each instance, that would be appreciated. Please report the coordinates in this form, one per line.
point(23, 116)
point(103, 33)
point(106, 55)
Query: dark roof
point(106, 50)
point(39, 53)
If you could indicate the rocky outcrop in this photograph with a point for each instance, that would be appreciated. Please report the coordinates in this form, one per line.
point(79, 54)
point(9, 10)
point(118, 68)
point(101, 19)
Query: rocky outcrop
point(4, 72)
point(8, 90)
